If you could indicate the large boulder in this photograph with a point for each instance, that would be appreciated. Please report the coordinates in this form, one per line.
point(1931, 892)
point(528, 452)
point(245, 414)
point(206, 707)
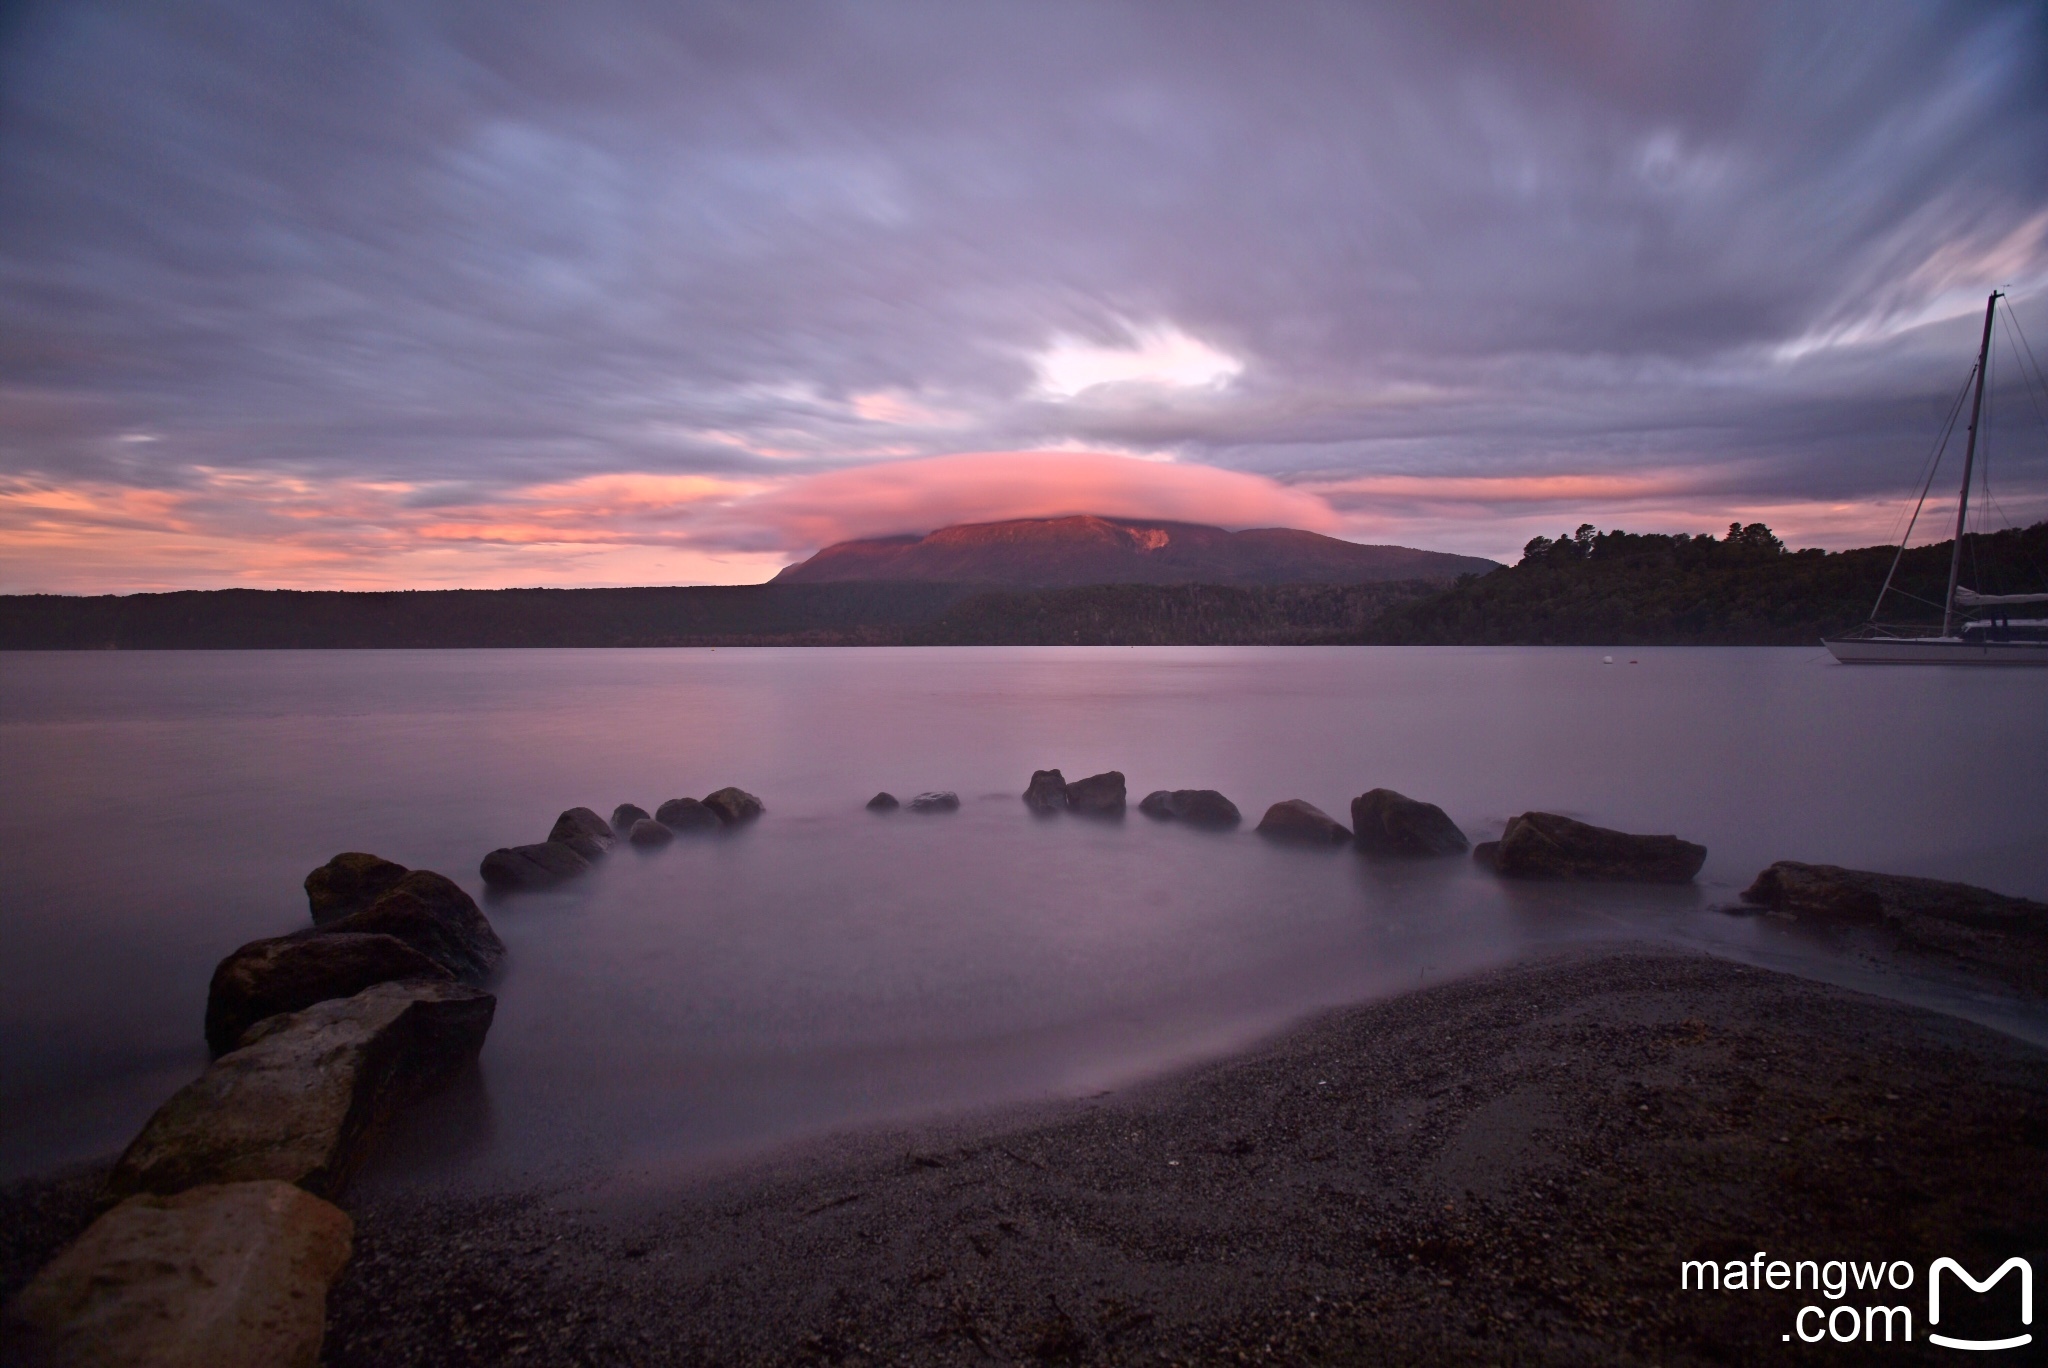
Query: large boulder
point(231, 1275)
point(584, 832)
point(303, 1095)
point(625, 814)
point(936, 802)
point(542, 865)
point(1543, 845)
point(1384, 822)
point(349, 882)
point(686, 814)
point(289, 973)
point(648, 833)
point(734, 805)
point(883, 802)
point(1303, 822)
point(1099, 795)
point(2003, 938)
point(432, 914)
point(1047, 791)
point(1196, 807)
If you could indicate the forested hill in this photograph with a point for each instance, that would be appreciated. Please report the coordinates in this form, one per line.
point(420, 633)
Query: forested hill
point(1596, 588)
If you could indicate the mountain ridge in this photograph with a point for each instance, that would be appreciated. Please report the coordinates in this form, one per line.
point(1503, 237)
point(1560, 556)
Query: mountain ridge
point(1087, 549)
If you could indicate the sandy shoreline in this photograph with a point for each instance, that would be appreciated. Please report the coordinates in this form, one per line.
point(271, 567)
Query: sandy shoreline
point(1507, 1168)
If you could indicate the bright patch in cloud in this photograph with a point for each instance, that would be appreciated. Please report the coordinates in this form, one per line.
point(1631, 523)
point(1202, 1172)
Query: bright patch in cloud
point(1160, 355)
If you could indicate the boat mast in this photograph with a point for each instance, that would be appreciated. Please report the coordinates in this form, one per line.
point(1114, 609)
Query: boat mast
point(1955, 560)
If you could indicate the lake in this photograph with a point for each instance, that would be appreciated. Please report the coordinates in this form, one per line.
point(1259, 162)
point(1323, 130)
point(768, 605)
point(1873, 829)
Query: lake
point(828, 966)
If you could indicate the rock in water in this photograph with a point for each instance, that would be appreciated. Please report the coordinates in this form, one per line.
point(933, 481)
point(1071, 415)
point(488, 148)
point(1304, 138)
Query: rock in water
point(1196, 807)
point(1047, 792)
point(290, 973)
point(1388, 823)
point(734, 805)
point(233, 1275)
point(648, 833)
point(302, 1096)
point(883, 802)
point(434, 916)
point(1099, 795)
point(349, 882)
point(936, 801)
point(543, 865)
point(686, 814)
point(1543, 845)
point(584, 832)
point(625, 814)
point(2003, 938)
point(1299, 820)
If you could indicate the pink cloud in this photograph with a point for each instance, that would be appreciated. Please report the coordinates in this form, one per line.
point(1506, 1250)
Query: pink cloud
point(921, 495)
point(267, 529)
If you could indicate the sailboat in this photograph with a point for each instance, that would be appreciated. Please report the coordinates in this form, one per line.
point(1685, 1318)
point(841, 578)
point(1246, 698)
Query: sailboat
point(1976, 628)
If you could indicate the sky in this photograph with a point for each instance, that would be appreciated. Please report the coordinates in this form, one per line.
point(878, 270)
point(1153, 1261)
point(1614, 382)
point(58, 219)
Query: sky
point(421, 295)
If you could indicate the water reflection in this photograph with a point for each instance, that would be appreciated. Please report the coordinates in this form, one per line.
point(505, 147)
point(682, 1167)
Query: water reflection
point(828, 964)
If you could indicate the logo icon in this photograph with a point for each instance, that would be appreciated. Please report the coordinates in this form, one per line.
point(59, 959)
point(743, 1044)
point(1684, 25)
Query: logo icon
point(2026, 1271)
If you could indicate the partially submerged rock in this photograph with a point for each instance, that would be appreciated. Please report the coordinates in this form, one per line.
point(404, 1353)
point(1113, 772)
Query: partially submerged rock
point(1298, 820)
point(231, 1275)
point(1196, 807)
point(1047, 791)
point(542, 865)
point(936, 801)
point(734, 806)
point(2004, 938)
point(349, 882)
point(625, 814)
point(432, 914)
point(686, 814)
point(648, 833)
point(883, 802)
point(1099, 795)
point(584, 832)
point(1543, 845)
point(1384, 822)
point(290, 973)
point(301, 1098)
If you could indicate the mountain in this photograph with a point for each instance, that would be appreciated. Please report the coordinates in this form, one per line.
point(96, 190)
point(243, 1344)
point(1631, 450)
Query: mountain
point(1063, 552)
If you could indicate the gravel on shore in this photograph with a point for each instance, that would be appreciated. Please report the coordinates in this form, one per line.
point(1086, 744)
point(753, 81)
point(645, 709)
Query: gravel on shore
point(1507, 1169)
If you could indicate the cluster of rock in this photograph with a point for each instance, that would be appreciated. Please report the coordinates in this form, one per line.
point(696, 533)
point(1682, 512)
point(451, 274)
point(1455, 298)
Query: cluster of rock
point(1383, 822)
point(1535, 845)
point(580, 838)
point(222, 1240)
point(1099, 795)
point(935, 800)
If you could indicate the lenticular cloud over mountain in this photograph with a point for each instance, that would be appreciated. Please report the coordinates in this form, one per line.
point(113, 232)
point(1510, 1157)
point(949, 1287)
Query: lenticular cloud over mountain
point(921, 496)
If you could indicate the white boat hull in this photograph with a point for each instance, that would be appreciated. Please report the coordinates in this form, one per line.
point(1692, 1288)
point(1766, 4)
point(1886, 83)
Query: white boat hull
point(1937, 651)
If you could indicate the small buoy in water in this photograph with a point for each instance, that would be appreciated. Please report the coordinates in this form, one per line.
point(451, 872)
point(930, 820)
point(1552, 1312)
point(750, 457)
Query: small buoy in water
point(1606, 660)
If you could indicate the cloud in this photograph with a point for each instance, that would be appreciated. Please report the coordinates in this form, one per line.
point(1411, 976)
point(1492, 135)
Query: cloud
point(228, 528)
point(544, 268)
point(921, 495)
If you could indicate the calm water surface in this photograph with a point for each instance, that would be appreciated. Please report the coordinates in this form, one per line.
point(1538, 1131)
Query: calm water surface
point(828, 966)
